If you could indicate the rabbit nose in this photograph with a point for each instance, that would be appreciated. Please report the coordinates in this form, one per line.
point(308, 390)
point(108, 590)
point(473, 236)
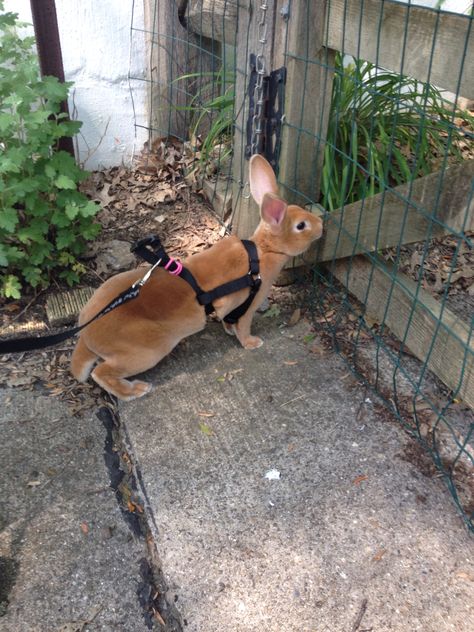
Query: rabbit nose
point(318, 229)
point(318, 233)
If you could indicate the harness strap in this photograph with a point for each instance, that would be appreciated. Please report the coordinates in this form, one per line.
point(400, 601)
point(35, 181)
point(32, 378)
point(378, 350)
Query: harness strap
point(150, 249)
point(253, 282)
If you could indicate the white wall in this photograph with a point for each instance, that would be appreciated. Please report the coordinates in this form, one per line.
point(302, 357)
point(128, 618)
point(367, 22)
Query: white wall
point(456, 6)
point(96, 42)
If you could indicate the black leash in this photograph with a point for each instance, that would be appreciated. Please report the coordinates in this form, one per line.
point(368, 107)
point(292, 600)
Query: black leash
point(30, 343)
point(152, 251)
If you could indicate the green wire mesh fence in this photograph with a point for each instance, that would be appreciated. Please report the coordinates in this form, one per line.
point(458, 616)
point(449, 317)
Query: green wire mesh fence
point(363, 108)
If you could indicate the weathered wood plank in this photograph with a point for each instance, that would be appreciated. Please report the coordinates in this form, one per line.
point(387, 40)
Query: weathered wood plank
point(402, 215)
point(245, 215)
point(291, 41)
point(216, 19)
point(411, 40)
point(307, 100)
point(432, 333)
point(219, 195)
point(63, 308)
point(166, 54)
point(360, 28)
point(172, 53)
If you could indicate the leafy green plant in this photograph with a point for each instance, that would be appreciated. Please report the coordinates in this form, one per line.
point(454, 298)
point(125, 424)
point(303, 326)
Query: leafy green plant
point(212, 116)
point(44, 220)
point(385, 129)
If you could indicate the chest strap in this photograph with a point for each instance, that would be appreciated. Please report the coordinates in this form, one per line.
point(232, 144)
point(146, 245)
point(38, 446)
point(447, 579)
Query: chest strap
point(151, 250)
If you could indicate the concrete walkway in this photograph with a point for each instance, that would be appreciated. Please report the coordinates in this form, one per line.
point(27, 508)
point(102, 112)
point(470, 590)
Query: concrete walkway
point(278, 498)
point(69, 562)
point(282, 502)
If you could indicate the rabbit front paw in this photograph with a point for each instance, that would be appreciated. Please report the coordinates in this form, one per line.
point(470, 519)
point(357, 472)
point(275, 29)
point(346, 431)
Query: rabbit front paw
point(228, 328)
point(252, 342)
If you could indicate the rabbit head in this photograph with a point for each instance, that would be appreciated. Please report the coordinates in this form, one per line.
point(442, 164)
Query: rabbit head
point(284, 228)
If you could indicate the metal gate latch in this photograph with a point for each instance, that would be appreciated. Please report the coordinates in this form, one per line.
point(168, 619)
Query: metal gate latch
point(267, 141)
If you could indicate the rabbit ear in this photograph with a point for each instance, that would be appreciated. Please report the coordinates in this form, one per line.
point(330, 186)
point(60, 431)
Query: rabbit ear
point(262, 178)
point(273, 209)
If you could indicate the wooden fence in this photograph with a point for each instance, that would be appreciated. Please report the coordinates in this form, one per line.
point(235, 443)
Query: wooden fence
point(427, 45)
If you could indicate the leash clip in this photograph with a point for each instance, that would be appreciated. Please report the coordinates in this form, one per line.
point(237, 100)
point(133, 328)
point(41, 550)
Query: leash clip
point(141, 282)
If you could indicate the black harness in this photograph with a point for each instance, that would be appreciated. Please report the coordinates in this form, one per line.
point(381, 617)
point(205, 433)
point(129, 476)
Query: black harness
point(151, 250)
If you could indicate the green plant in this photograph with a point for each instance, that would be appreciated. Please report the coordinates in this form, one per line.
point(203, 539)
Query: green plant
point(212, 116)
point(384, 129)
point(44, 220)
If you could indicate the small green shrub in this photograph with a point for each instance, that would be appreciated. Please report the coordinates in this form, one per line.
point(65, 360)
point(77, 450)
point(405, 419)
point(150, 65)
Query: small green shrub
point(385, 129)
point(44, 220)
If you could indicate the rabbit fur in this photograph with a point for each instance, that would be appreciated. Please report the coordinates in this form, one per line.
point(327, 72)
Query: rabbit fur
point(138, 334)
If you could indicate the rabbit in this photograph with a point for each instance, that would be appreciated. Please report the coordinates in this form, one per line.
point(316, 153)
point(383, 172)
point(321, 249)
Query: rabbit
point(137, 335)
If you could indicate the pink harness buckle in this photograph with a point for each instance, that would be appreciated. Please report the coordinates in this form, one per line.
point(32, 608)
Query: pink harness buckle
point(179, 267)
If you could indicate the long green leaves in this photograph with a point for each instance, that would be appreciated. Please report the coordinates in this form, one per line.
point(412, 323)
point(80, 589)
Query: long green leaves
point(212, 109)
point(384, 130)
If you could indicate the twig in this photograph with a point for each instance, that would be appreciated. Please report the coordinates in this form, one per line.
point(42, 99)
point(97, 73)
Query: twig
point(92, 271)
point(361, 407)
point(358, 621)
point(293, 400)
point(35, 297)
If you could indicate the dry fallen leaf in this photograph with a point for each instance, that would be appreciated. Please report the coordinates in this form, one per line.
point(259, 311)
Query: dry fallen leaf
point(165, 195)
point(295, 317)
point(133, 506)
point(379, 555)
point(317, 348)
point(358, 479)
point(158, 617)
point(11, 307)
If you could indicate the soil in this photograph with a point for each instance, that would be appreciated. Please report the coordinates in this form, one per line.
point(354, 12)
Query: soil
point(446, 269)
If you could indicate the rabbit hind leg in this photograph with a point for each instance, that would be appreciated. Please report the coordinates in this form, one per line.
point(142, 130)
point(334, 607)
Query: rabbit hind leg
point(82, 361)
point(111, 374)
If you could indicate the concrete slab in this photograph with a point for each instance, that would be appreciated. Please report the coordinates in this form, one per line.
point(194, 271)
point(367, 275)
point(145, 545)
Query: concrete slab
point(277, 506)
point(68, 560)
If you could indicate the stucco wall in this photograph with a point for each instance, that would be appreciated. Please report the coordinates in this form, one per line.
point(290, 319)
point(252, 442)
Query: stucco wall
point(96, 42)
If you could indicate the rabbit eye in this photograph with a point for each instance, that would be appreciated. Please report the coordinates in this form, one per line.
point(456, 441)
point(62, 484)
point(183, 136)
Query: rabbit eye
point(301, 226)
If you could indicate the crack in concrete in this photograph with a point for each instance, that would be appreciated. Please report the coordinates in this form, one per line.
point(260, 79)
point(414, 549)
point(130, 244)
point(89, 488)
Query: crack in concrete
point(152, 591)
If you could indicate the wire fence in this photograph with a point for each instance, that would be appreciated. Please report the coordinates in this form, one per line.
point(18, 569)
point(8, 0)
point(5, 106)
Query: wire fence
point(363, 109)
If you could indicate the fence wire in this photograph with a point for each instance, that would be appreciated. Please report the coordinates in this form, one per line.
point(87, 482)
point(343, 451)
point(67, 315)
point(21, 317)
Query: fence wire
point(372, 139)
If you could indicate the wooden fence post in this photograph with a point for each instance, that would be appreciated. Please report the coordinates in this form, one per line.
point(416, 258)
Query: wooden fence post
point(295, 39)
point(245, 211)
point(310, 69)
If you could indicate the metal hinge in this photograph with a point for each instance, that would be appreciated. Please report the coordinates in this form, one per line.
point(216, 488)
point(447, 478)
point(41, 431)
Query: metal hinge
point(267, 142)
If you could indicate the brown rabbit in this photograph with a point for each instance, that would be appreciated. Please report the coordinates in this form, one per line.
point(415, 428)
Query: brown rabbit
point(137, 335)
